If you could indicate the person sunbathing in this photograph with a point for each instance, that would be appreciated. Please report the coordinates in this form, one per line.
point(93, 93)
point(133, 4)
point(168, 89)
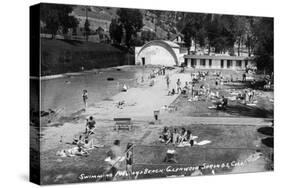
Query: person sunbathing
point(75, 140)
point(186, 138)
point(90, 125)
point(79, 151)
point(172, 92)
point(182, 137)
point(87, 144)
point(189, 138)
point(185, 89)
point(166, 136)
point(75, 151)
point(175, 136)
point(221, 104)
point(202, 90)
point(81, 148)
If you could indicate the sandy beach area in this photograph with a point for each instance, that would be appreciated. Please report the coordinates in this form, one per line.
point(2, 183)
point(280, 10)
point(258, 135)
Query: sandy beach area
point(139, 105)
point(232, 135)
point(139, 102)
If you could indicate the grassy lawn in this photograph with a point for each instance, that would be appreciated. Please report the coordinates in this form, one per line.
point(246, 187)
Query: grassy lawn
point(62, 56)
point(237, 142)
point(263, 108)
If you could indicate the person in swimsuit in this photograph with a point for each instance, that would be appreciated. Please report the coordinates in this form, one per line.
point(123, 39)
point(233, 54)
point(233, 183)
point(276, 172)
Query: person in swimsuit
point(183, 135)
point(90, 125)
point(167, 81)
point(175, 136)
point(85, 98)
point(115, 158)
point(129, 159)
point(166, 136)
point(178, 86)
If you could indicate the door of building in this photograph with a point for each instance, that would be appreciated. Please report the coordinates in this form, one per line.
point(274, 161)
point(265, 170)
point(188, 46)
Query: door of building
point(143, 60)
point(222, 63)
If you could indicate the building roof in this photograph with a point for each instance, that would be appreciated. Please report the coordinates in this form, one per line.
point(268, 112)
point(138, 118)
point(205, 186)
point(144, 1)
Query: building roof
point(174, 36)
point(99, 29)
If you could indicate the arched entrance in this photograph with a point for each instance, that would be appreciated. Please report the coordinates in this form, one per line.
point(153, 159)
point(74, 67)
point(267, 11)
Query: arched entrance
point(158, 53)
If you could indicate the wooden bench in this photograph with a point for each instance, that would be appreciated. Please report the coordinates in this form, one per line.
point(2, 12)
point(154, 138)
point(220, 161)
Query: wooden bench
point(123, 123)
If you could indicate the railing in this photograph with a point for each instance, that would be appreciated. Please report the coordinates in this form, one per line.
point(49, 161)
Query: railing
point(91, 38)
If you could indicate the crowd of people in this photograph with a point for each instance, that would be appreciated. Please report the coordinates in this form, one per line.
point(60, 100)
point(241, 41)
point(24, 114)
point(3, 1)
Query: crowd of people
point(193, 90)
point(188, 88)
point(115, 159)
point(176, 137)
point(199, 89)
point(82, 145)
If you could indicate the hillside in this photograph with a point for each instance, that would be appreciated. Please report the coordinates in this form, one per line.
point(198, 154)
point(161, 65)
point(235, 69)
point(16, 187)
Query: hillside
point(62, 56)
point(156, 21)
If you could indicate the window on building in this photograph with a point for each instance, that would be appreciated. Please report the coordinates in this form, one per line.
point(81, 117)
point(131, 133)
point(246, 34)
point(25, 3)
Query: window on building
point(246, 63)
point(238, 63)
point(202, 62)
point(229, 63)
point(193, 63)
point(210, 63)
point(185, 62)
point(222, 63)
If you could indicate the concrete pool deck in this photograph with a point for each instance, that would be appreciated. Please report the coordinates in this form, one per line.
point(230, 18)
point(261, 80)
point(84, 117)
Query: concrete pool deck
point(140, 101)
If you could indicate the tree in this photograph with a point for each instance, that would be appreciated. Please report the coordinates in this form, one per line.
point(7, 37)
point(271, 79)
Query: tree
point(187, 37)
point(193, 29)
point(240, 31)
point(220, 32)
point(116, 31)
point(87, 29)
point(131, 21)
point(249, 40)
point(74, 31)
point(211, 27)
point(263, 49)
point(226, 34)
point(55, 16)
point(71, 22)
point(223, 31)
point(148, 36)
